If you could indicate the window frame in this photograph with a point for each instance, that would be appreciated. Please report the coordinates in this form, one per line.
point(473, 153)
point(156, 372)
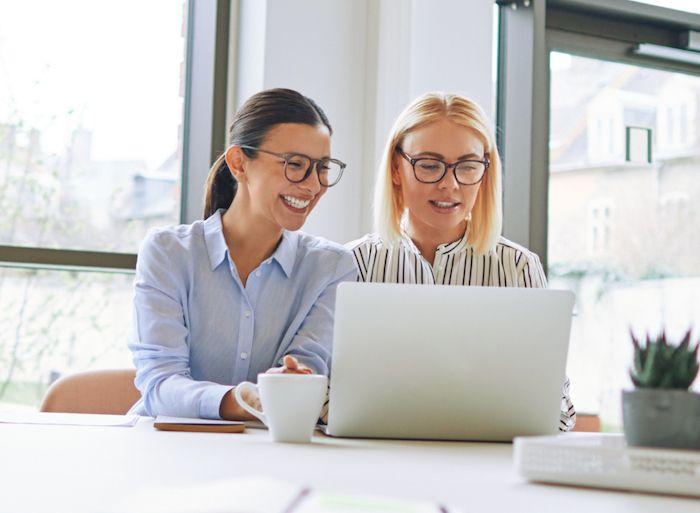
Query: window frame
point(602, 29)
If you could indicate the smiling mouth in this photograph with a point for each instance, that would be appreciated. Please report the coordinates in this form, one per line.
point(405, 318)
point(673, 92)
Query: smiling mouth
point(296, 203)
point(445, 205)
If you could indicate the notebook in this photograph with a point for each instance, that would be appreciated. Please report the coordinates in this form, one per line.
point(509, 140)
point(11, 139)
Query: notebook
point(164, 423)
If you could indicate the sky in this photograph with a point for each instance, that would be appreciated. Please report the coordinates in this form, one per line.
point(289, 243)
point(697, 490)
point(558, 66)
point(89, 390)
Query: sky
point(109, 67)
point(679, 5)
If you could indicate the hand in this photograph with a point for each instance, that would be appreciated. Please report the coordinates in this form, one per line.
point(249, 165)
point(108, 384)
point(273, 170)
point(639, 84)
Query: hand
point(231, 410)
point(290, 366)
point(250, 396)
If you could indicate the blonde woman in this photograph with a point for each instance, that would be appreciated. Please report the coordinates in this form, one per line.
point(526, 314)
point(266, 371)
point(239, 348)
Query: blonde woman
point(438, 208)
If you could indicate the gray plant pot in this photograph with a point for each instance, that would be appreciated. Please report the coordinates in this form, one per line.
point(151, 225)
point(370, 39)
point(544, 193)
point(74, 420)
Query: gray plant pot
point(656, 417)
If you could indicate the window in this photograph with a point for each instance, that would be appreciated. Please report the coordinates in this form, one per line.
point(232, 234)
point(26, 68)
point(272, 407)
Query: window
point(622, 235)
point(677, 112)
point(91, 152)
point(54, 322)
point(679, 5)
point(599, 227)
point(90, 122)
point(597, 85)
point(603, 126)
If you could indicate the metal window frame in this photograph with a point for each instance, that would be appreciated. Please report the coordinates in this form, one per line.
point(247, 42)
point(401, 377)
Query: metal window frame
point(204, 127)
point(205, 108)
point(522, 108)
point(628, 143)
point(603, 29)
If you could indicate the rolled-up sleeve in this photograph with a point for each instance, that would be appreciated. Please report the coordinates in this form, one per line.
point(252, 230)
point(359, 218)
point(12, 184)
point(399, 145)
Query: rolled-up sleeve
point(159, 339)
point(312, 343)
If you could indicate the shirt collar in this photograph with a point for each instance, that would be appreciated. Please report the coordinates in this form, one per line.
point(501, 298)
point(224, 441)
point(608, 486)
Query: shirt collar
point(454, 246)
point(285, 253)
point(408, 242)
point(214, 239)
point(443, 249)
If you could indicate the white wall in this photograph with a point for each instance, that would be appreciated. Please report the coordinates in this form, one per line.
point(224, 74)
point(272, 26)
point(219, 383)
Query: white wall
point(249, 63)
point(363, 61)
point(451, 48)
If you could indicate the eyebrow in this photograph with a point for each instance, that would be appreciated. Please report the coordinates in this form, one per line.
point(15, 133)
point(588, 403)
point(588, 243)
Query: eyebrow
point(288, 153)
point(442, 157)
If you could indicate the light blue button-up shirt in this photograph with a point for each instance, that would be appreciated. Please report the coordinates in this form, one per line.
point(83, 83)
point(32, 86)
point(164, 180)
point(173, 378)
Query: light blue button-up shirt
point(198, 331)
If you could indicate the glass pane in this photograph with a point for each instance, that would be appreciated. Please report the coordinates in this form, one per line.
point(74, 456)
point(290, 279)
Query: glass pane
point(679, 5)
point(622, 235)
point(58, 322)
point(90, 121)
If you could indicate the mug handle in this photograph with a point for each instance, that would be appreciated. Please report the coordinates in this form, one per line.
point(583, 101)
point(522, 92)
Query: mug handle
point(237, 394)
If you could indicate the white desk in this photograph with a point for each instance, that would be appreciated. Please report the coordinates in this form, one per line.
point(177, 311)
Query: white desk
point(75, 469)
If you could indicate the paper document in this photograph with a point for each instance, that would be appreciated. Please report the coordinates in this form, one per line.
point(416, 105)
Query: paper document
point(68, 419)
point(262, 495)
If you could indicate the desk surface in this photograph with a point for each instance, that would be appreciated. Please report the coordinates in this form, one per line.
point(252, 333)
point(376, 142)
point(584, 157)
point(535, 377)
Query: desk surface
point(75, 469)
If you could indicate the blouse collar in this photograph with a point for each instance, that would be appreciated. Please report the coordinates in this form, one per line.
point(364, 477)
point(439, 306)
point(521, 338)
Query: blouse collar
point(448, 248)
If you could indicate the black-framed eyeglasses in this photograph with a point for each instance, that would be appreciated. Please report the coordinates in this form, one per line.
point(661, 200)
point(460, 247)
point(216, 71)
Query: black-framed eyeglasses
point(433, 170)
point(298, 167)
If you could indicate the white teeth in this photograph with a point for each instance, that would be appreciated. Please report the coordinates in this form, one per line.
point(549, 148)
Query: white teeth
point(296, 202)
point(444, 204)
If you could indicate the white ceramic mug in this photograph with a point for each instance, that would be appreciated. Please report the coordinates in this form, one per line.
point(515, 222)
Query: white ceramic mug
point(291, 404)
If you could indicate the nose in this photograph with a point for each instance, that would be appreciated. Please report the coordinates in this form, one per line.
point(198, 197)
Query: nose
point(449, 181)
point(312, 183)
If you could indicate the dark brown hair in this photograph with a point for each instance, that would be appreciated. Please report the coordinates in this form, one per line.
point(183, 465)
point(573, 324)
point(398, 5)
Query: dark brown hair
point(252, 122)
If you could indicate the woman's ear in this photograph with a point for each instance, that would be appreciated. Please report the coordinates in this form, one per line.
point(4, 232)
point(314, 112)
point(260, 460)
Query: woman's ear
point(235, 160)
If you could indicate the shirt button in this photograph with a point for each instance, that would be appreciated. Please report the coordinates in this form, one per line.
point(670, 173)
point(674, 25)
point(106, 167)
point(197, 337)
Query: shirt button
point(247, 313)
point(244, 356)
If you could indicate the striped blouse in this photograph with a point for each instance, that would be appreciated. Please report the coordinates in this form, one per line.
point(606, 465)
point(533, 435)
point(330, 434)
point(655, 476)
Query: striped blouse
point(456, 263)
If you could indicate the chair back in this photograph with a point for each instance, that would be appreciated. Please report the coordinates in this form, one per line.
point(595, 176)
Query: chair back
point(589, 423)
point(102, 391)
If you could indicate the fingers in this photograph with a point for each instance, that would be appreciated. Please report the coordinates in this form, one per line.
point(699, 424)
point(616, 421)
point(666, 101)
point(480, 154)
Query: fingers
point(250, 398)
point(291, 363)
point(292, 366)
point(254, 401)
point(303, 369)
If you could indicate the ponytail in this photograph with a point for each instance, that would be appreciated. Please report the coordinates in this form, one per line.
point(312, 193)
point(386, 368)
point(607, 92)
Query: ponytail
point(220, 187)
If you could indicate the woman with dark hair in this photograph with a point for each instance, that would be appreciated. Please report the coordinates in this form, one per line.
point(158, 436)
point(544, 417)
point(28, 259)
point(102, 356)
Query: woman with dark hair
point(242, 292)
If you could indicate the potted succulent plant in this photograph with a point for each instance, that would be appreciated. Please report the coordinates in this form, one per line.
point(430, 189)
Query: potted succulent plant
point(661, 411)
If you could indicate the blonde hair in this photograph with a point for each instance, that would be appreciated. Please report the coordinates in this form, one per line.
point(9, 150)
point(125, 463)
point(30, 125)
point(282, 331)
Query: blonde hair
point(486, 215)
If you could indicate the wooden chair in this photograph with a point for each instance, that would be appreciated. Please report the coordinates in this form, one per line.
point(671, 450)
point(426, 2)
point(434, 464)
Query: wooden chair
point(102, 391)
point(590, 423)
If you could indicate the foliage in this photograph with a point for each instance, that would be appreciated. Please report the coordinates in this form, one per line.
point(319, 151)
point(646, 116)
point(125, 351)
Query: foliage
point(658, 364)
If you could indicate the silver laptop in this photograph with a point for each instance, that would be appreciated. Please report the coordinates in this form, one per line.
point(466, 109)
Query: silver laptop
point(446, 362)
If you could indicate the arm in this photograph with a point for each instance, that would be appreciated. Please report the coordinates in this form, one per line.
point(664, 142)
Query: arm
point(567, 419)
point(311, 345)
point(530, 272)
point(159, 340)
point(310, 349)
point(361, 257)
